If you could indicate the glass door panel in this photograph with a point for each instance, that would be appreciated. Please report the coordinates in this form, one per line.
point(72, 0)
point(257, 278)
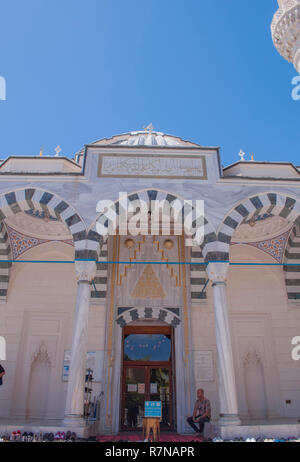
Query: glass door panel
point(135, 396)
point(160, 391)
point(147, 347)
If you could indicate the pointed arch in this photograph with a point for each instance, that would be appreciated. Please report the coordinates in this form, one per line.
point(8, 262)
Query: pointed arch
point(277, 204)
point(96, 241)
point(23, 200)
point(97, 244)
point(170, 316)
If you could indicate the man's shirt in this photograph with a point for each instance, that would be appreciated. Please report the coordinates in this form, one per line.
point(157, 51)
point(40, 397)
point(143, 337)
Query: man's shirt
point(202, 407)
point(1, 370)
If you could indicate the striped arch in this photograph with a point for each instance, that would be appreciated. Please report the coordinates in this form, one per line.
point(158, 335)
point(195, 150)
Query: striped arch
point(97, 245)
point(198, 274)
point(265, 203)
point(95, 241)
point(169, 315)
point(27, 199)
point(292, 273)
point(99, 288)
point(5, 266)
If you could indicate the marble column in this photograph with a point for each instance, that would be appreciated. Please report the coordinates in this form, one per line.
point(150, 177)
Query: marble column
point(85, 272)
point(227, 384)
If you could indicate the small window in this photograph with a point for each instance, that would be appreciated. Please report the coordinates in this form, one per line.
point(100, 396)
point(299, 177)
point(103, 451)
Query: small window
point(147, 347)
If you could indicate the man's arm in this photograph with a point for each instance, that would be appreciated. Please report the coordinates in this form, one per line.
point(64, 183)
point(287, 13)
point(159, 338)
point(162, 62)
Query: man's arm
point(207, 410)
point(195, 411)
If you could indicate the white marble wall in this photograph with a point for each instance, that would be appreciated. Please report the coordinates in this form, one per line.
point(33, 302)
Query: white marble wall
point(260, 318)
point(40, 309)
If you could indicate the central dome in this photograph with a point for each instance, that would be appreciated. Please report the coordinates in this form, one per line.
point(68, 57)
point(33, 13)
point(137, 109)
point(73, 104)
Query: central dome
point(145, 138)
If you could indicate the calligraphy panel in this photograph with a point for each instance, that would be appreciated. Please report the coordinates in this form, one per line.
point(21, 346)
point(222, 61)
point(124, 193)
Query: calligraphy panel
point(151, 165)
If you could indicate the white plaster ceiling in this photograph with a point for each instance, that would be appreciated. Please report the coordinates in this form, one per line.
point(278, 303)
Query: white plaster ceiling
point(261, 230)
point(38, 227)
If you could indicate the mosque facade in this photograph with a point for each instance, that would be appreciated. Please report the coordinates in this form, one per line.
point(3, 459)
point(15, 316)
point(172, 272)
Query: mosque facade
point(92, 284)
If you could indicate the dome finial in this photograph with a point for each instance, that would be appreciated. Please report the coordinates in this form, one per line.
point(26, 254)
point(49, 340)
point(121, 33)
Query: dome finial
point(242, 155)
point(57, 150)
point(149, 128)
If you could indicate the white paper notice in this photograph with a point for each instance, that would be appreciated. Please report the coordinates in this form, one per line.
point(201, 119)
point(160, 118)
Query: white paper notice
point(153, 387)
point(132, 387)
point(141, 388)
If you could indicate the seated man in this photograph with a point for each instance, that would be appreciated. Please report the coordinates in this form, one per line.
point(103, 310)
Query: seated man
point(201, 412)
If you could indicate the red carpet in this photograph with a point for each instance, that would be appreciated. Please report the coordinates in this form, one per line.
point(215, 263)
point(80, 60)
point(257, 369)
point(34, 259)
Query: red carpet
point(164, 437)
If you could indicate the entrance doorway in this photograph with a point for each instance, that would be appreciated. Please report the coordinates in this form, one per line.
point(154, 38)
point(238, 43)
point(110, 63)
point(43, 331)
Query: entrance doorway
point(148, 355)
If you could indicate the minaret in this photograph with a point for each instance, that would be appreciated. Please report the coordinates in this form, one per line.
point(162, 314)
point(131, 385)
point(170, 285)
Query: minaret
point(286, 31)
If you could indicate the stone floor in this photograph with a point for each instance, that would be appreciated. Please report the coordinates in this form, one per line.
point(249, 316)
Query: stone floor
point(165, 437)
point(272, 428)
point(275, 428)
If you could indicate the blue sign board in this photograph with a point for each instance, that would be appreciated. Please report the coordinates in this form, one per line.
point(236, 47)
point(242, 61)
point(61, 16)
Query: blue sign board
point(153, 409)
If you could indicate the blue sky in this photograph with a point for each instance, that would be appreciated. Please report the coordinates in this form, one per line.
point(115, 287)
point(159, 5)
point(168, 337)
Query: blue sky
point(205, 70)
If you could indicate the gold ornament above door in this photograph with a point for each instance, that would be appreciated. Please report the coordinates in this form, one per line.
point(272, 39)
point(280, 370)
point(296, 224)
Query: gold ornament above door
point(148, 286)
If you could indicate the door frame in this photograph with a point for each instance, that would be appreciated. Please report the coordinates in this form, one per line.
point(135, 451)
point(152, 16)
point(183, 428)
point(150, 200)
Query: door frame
point(110, 416)
point(164, 330)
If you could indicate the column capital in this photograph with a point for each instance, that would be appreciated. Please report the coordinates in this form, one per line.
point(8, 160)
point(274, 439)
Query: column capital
point(217, 272)
point(85, 270)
